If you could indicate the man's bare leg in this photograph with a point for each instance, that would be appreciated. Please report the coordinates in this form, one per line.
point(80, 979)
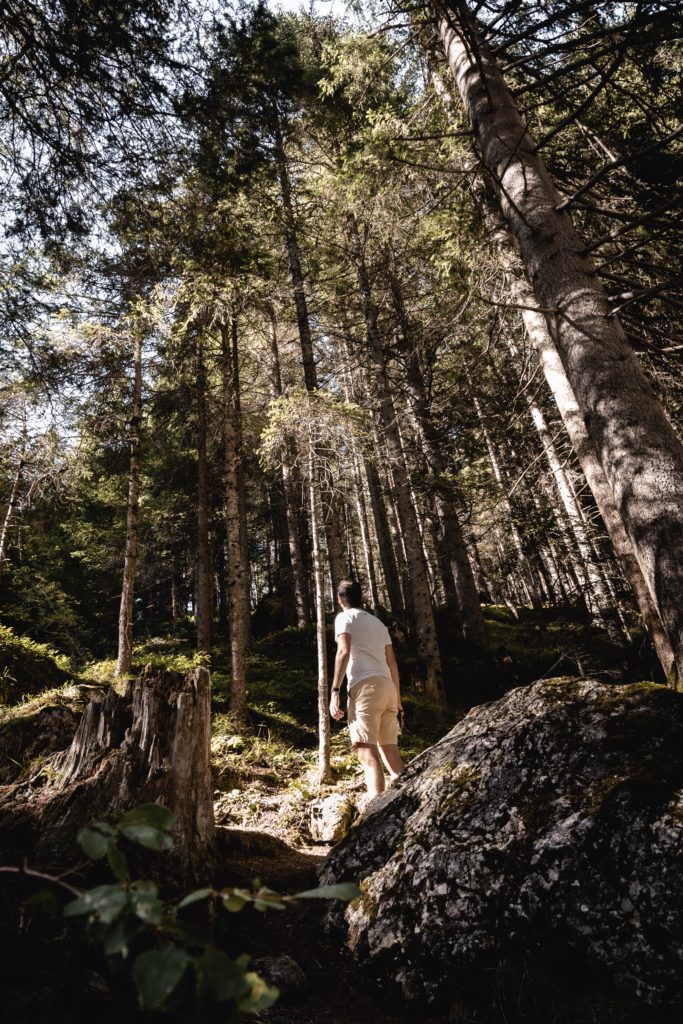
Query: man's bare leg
point(372, 768)
point(391, 756)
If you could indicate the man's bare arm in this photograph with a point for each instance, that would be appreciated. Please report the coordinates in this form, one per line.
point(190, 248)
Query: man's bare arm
point(393, 668)
point(340, 663)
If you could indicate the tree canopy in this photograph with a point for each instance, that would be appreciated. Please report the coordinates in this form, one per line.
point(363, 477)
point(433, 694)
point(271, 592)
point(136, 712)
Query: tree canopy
point(207, 208)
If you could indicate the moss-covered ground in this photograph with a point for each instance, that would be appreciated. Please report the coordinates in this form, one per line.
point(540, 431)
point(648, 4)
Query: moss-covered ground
point(266, 775)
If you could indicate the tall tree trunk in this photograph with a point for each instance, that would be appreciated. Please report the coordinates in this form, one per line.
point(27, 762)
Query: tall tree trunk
point(237, 577)
point(295, 269)
point(9, 515)
point(241, 490)
point(220, 563)
point(174, 596)
point(446, 582)
point(283, 583)
point(203, 582)
point(584, 449)
point(355, 392)
point(453, 543)
point(320, 632)
point(480, 576)
point(338, 564)
point(419, 579)
point(126, 609)
point(385, 545)
point(635, 443)
point(528, 573)
point(361, 511)
point(603, 612)
point(335, 549)
point(303, 611)
point(537, 331)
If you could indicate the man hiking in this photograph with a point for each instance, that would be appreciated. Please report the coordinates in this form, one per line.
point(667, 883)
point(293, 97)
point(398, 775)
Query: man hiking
point(366, 656)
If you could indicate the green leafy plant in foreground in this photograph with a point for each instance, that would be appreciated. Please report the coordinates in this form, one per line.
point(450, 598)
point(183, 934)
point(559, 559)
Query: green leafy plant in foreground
point(178, 968)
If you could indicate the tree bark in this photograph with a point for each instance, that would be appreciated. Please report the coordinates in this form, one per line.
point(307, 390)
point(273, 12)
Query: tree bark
point(368, 555)
point(385, 544)
point(203, 582)
point(335, 548)
point(303, 611)
point(599, 597)
point(638, 448)
point(454, 549)
point(237, 578)
point(220, 563)
point(338, 563)
point(419, 579)
point(528, 574)
point(295, 269)
point(241, 491)
point(9, 515)
point(126, 610)
point(584, 449)
point(152, 745)
point(320, 632)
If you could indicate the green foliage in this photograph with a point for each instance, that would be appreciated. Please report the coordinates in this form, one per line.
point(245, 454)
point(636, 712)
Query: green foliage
point(548, 643)
point(174, 967)
point(147, 825)
point(318, 426)
point(39, 605)
point(158, 973)
point(27, 667)
point(166, 653)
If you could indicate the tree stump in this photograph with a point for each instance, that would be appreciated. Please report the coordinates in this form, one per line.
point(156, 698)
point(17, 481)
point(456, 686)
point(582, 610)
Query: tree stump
point(150, 746)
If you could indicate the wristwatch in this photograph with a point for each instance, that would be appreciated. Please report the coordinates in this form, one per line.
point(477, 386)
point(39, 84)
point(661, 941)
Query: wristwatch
point(336, 689)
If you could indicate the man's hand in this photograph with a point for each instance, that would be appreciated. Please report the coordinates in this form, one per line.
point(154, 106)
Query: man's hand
point(335, 707)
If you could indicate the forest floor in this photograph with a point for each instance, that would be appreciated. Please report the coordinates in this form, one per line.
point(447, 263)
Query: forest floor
point(265, 780)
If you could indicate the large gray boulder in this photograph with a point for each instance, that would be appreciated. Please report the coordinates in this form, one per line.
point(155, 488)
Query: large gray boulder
point(551, 818)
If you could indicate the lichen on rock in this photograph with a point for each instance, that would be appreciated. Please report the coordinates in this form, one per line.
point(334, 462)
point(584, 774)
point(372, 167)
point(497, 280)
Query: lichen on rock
point(552, 817)
point(330, 818)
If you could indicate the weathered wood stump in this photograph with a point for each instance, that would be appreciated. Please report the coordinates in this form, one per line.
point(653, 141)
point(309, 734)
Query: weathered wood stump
point(151, 745)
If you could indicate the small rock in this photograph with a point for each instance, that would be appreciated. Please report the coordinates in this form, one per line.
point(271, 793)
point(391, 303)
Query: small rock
point(283, 972)
point(330, 818)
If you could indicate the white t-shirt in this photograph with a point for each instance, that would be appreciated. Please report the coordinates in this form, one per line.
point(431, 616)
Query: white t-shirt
point(369, 637)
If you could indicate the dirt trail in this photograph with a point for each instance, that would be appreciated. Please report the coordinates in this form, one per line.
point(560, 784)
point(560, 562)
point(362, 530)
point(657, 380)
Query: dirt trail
point(337, 991)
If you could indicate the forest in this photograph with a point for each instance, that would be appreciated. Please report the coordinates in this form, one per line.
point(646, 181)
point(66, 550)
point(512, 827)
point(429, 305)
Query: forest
point(387, 291)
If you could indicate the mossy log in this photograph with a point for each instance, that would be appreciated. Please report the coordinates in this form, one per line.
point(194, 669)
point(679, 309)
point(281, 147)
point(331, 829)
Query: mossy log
point(151, 745)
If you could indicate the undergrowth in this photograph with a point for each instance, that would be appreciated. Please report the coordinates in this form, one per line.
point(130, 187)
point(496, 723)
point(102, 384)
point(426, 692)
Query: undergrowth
point(264, 775)
point(27, 666)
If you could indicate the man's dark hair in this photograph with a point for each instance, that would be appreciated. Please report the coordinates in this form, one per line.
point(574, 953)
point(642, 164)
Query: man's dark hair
point(350, 593)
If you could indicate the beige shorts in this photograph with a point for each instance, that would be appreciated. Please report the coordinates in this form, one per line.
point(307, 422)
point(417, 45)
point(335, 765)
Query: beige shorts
point(372, 712)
